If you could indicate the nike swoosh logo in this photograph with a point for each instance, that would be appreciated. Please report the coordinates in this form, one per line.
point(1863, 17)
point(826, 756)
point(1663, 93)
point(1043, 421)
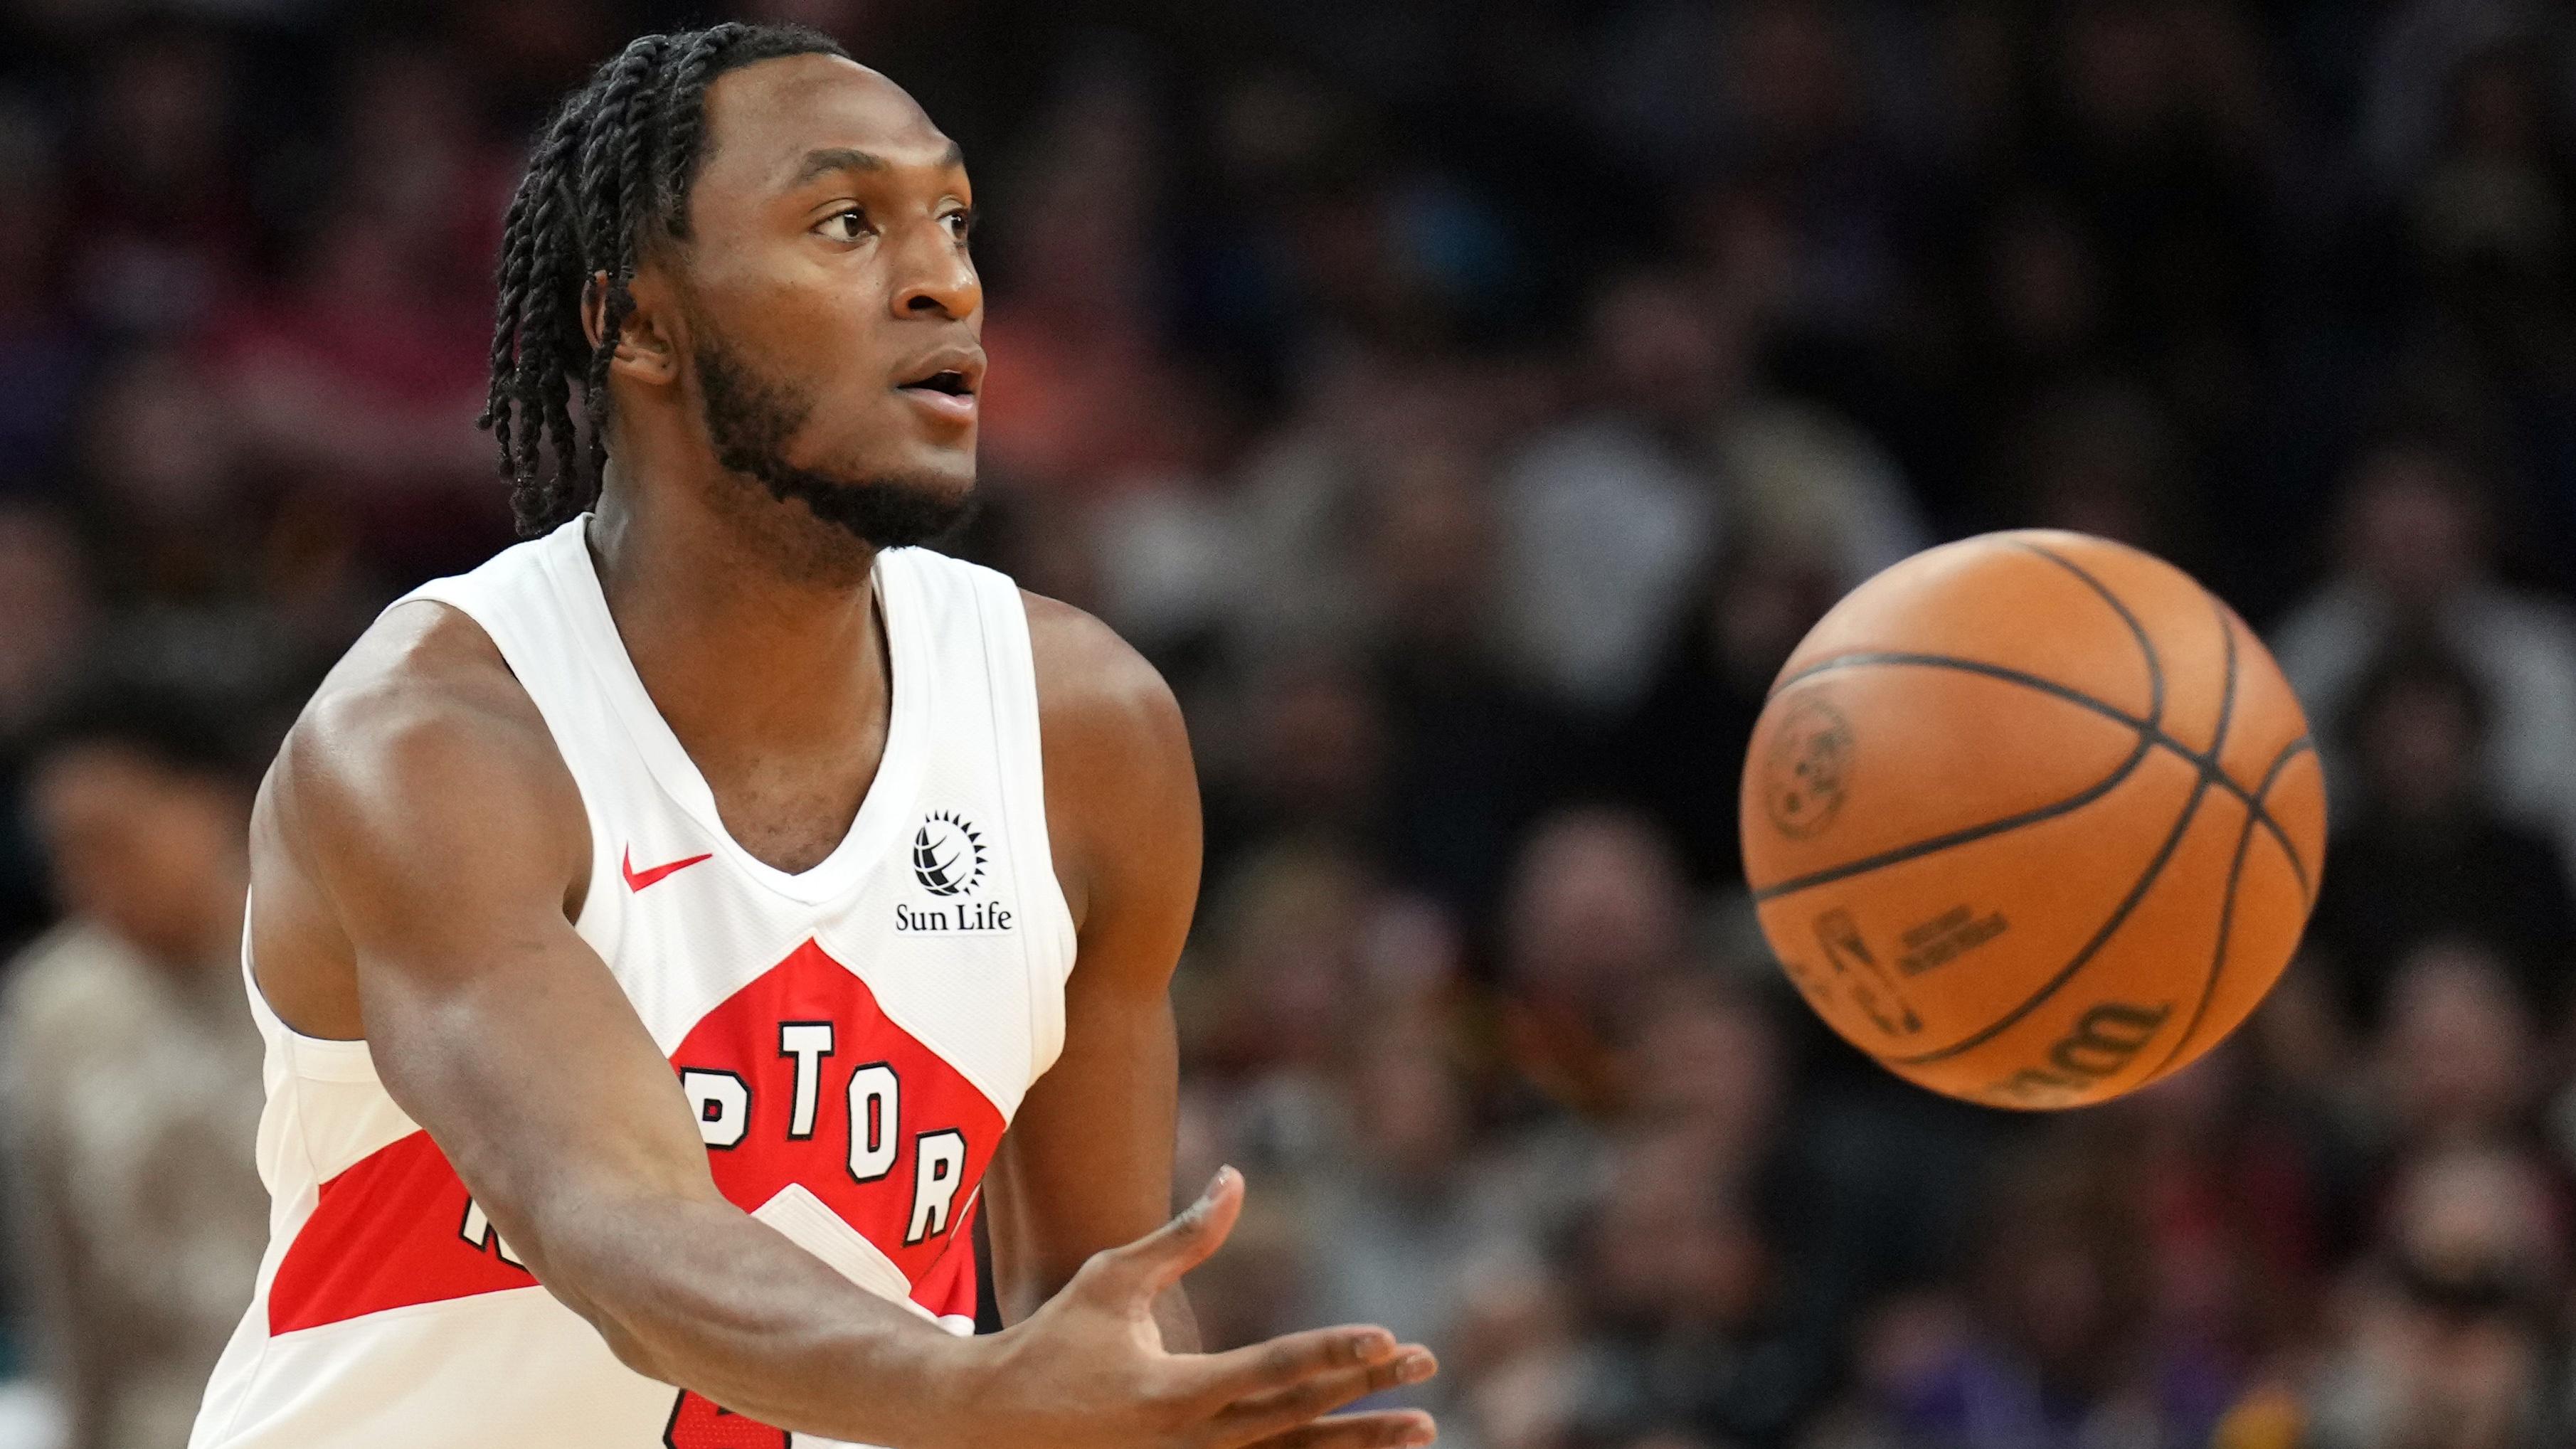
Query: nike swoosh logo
point(637, 880)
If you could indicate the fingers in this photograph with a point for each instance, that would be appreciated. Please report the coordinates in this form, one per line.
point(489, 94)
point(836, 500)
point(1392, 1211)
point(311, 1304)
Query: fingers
point(1291, 1359)
point(1356, 1431)
point(1157, 1260)
point(1262, 1416)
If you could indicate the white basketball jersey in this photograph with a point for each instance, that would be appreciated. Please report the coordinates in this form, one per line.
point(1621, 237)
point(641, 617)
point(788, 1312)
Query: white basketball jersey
point(853, 1038)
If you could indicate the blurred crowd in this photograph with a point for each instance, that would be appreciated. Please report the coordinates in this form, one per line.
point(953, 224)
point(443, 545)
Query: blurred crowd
point(1467, 403)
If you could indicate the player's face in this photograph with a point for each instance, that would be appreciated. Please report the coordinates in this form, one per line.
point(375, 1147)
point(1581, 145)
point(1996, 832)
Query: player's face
point(834, 313)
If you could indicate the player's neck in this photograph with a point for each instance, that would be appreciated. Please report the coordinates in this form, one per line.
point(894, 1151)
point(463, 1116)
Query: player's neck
point(737, 615)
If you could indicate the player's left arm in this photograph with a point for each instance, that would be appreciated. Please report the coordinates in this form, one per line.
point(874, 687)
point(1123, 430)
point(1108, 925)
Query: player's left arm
point(1087, 1163)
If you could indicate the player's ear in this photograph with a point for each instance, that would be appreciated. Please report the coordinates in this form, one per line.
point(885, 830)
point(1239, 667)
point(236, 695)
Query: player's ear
point(644, 350)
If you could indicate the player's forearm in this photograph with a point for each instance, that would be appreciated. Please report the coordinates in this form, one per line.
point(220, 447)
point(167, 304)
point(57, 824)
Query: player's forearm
point(699, 1295)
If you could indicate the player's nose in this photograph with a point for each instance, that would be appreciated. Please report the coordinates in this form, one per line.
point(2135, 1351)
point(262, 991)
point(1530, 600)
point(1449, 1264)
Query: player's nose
point(937, 278)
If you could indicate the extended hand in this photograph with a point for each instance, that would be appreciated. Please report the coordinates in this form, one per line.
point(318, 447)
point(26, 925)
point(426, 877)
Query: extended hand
point(1089, 1371)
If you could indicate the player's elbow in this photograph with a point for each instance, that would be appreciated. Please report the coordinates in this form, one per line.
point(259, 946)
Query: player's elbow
point(629, 1334)
point(633, 1348)
point(608, 1256)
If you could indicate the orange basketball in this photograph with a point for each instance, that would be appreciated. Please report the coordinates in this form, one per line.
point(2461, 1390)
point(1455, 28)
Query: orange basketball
point(2033, 819)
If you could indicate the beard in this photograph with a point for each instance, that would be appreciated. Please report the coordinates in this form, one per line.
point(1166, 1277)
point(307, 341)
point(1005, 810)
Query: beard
point(750, 420)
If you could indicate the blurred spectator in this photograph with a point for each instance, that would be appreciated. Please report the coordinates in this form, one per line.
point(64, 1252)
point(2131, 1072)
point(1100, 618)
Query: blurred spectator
point(1298, 755)
point(2414, 560)
point(2418, 853)
point(2103, 459)
point(1083, 398)
point(2493, 214)
point(2041, 306)
point(1595, 913)
point(162, 212)
point(1686, 1296)
point(1679, 755)
point(1473, 754)
point(2235, 1187)
point(1692, 1276)
point(2056, 1345)
point(2458, 1060)
point(1396, 1234)
point(1306, 489)
point(129, 1065)
point(43, 347)
point(1519, 1361)
point(2452, 1334)
point(45, 596)
point(396, 251)
point(206, 595)
point(1609, 514)
point(1612, 513)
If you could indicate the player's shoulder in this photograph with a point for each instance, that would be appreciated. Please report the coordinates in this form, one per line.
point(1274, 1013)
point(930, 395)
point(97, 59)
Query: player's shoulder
point(1091, 682)
point(1120, 784)
point(422, 707)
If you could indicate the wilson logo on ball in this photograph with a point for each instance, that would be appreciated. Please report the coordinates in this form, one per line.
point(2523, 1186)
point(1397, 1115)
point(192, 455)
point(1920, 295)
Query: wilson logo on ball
point(2102, 1041)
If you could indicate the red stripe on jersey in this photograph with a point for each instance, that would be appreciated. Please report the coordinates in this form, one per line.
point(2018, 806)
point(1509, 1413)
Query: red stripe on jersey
point(389, 1231)
point(948, 1289)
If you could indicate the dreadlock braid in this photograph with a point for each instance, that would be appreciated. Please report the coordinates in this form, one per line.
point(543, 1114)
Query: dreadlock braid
point(609, 174)
point(517, 226)
point(692, 67)
point(627, 112)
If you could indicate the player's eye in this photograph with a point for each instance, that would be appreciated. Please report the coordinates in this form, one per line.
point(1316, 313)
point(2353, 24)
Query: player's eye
point(847, 224)
point(959, 223)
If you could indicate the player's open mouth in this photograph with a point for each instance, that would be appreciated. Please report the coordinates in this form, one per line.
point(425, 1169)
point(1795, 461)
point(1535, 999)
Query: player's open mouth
point(948, 393)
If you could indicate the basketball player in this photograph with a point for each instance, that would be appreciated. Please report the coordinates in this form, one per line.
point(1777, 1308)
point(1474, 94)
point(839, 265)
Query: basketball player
point(655, 929)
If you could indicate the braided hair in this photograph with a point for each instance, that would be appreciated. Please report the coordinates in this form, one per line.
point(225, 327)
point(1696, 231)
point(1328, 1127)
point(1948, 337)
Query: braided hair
point(609, 174)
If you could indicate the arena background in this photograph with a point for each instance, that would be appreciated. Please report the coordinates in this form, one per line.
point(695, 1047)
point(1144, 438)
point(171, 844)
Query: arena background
point(1467, 405)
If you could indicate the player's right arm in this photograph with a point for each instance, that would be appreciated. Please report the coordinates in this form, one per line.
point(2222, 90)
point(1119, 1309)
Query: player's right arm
point(417, 851)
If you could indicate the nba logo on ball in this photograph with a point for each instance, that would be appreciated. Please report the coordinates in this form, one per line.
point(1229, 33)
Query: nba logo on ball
point(1805, 766)
point(2093, 804)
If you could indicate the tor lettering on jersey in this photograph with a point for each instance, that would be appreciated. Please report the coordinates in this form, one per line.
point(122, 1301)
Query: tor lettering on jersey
point(802, 1081)
point(803, 1089)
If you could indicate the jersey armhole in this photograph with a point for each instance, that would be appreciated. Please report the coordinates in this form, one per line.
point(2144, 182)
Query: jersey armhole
point(1051, 942)
point(319, 1058)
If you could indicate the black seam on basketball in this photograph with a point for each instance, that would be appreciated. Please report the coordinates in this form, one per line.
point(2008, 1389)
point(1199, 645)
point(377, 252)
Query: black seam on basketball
point(2151, 731)
point(1938, 843)
point(2303, 745)
point(2217, 957)
point(2226, 692)
point(2137, 892)
point(2235, 866)
point(2146, 878)
point(2206, 764)
point(2227, 910)
point(2005, 673)
point(2139, 889)
point(2137, 631)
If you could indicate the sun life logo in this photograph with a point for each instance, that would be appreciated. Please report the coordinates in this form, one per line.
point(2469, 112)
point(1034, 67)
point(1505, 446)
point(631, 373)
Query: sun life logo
point(947, 854)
